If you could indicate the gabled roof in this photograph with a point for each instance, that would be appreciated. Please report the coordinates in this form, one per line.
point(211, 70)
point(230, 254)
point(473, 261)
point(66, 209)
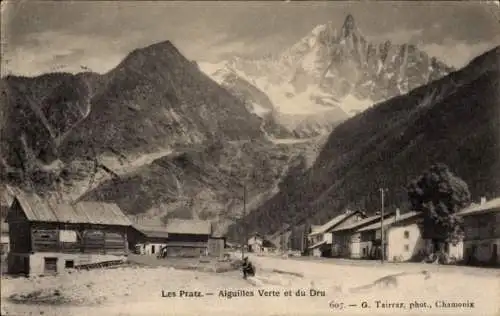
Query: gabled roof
point(476, 209)
point(389, 221)
point(189, 226)
point(315, 228)
point(360, 223)
point(268, 244)
point(218, 235)
point(152, 231)
point(6, 195)
point(316, 245)
point(331, 223)
point(286, 228)
point(37, 209)
point(256, 235)
point(265, 241)
point(4, 228)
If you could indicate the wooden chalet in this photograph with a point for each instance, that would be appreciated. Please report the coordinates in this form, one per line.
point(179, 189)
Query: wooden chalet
point(178, 238)
point(347, 237)
point(260, 244)
point(482, 232)
point(148, 239)
point(402, 238)
point(4, 230)
point(4, 246)
point(188, 237)
point(320, 238)
point(47, 237)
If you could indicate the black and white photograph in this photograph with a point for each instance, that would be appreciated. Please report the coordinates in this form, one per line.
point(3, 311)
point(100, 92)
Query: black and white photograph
point(266, 158)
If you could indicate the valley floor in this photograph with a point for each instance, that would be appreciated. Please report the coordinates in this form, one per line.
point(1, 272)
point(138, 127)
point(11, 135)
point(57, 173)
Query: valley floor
point(135, 290)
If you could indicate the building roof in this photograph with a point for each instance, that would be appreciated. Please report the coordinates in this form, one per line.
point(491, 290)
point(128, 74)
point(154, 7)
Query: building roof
point(4, 228)
point(286, 228)
point(256, 234)
point(315, 228)
point(37, 209)
point(6, 195)
point(316, 245)
point(364, 221)
point(330, 224)
point(389, 221)
point(189, 226)
point(268, 244)
point(476, 209)
point(152, 231)
point(191, 244)
point(265, 242)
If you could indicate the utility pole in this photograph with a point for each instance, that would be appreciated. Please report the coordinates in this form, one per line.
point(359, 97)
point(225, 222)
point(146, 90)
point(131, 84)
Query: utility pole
point(382, 241)
point(245, 241)
point(302, 242)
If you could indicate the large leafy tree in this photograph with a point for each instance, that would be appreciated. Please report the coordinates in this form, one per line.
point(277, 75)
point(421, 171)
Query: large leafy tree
point(439, 195)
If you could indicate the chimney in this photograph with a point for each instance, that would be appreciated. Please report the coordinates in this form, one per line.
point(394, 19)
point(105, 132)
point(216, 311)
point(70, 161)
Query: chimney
point(347, 211)
point(483, 200)
point(398, 214)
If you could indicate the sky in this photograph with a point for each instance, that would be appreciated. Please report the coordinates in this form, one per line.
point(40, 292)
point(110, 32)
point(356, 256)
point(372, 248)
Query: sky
point(44, 36)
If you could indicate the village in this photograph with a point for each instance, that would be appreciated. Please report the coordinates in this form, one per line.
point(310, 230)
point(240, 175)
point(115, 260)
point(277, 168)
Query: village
point(42, 238)
point(90, 257)
point(354, 235)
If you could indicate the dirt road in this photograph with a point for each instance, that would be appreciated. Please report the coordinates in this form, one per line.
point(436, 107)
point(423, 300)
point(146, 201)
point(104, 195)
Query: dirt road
point(479, 271)
point(313, 288)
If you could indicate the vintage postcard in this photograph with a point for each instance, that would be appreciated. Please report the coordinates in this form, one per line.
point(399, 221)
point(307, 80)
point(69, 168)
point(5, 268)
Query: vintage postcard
point(266, 158)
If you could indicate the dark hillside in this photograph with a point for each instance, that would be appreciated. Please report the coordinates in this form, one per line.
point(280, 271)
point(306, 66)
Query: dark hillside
point(454, 120)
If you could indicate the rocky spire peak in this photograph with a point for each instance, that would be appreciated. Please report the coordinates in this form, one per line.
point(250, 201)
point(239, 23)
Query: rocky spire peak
point(349, 26)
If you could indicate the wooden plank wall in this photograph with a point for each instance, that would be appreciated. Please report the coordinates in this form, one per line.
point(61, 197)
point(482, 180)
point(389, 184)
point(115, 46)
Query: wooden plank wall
point(93, 241)
point(114, 243)
point(185, 251)
point(19, 229)
point(45, 239)
point(215, 247)
point(100, 240)
point(188, 238)
point(19, 237)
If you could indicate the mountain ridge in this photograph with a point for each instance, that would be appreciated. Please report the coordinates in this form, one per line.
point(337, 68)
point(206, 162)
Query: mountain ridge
point(153, 134)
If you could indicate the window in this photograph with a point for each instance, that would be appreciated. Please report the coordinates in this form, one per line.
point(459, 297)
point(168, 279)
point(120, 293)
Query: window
point(50, 265)
point(4, 248)
point(68, 264)
point(152, 249)
point(407, 234)
point(407, 248)
point(67, 236)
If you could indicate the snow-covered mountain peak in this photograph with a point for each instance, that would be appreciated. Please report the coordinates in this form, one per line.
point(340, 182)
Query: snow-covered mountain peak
point(335, 66)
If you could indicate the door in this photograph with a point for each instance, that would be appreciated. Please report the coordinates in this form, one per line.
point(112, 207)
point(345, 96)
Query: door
point(26, 265)
point(471, 259)
point(50, 265)
point(494, 254)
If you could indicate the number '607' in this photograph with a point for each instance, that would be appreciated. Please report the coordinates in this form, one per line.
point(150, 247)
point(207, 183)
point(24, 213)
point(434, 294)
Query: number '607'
point(336, 305)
